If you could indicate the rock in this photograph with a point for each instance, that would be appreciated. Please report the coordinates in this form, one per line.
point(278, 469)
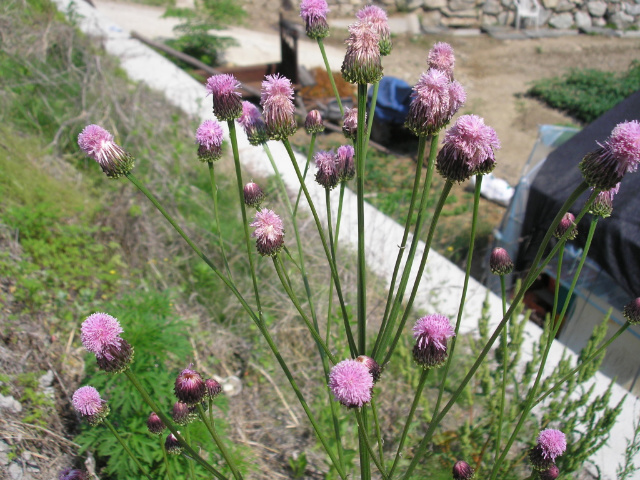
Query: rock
point(409, 5)
point(550, 4)
point(15, 472)
point(621, 20)
point(10, 403)
point(413, 24)
point(434, 4)
point(564, 6)
point(456, 5)
point(582, 19)
point(599, 22)
point(430, 19)
point(561, 21)
point(471, 13)
point(491, 7)
point(597, 9)
point(489, 20)
point(458, 22)
point(632, 9)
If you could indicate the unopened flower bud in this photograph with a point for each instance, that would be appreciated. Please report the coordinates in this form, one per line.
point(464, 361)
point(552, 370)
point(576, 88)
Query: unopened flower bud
point(313, 122)
point(189, 387)
point(350, 123)
point(181, 413)
point(372, 366)
point(314, 14)
point(631, 311)
point(567, 224)
point(253, 195)
point(551, 474)
point(155, 424)
point(602, 206)
point(462, 471)
point(500, 262)
point(213, 388)
point(172, 446)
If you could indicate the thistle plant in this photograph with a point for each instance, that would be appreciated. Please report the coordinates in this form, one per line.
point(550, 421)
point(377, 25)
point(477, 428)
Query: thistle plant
point(351, 386)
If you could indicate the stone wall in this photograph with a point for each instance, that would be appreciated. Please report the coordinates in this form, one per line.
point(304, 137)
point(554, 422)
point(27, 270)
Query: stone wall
point(559, 14)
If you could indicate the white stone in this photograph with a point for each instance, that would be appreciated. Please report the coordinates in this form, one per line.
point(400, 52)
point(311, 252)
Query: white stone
point(597, 9)
point(409, 5)
point(456, 5)
point(550, 4)
point(599, 22)
point(10, 403)
point(491, 7)
point(582, 19)
point(562, 21)
point(632, 9)
point(431, 19)
point(621, 20)
point(564, 6)
point(435, 4)
point(15, 471)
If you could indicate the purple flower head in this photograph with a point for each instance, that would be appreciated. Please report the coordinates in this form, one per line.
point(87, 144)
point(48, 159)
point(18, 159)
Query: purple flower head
point(631, 311)
point(253, 195)
point(462, 471)
point(467, 150)
point(269, 232)
point(551, 444)
point(189, 387)
point(620, 153)
point(457, 97)
point(182, 413)
point(100, 334)
point(313, 122)
point(551, 474)
point(213, 388)
point(276, 99)
point(87, 402)
point(430, 106)
point(72, 474)
point(567, 224)
point(209, 140)
point(362, 61)
point(252, 124)
point(431, 334)
point(98, 144)
point(350, 123)
point(155, 424)
point(345, 163)
point(327, 174)
point(378, 19)
point(351, 383)
point(227, 102)
point(441, 58)
point(172, 445)
point(602, 206)
point(500, 262)
point(314, 14)
point(372, 366)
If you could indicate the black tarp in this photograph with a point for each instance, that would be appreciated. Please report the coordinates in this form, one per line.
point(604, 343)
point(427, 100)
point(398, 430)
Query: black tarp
point(616, 243)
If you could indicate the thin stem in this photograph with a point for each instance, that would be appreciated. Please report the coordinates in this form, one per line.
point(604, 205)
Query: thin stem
point(376, 421)
point(126, 448)
point(216, 438)
point(306, 169)
point(331, 79)
point(364, 437)
point(360, 174)
point(187, 437)
point(505, 365)
point(372, 109)
point(164, 457)
point(214, 194)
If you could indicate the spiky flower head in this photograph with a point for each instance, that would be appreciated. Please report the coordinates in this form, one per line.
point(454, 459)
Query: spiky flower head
point(314, 14)
point(462, 471)
point(430, 106)
point(345, 163)
point(351, 383)
point(269, 232)
point(500, 262)
point(99, 145)
point(431, 334)
point(182, 413)
point(209, 139)
point(550, 474)
point(100, 334)
point(213, 388)
point(350, 123)
point(551, 444)
point(87, 402)
point(602, 206)
point(73, 474)
point(567, 224)
point(227, 101)
point(457, 97)
point(252, 124)
point(372, 366)
point(441, 57)
point(378, 19)
point(189, 386)
point(155, 424)
point(276, 99)
point(631, 311)
point(172, 445)
point(313, 122)
point(468, 149)
point(253, 195)
point(620, 153)
point(327, 174)
point(362, 61)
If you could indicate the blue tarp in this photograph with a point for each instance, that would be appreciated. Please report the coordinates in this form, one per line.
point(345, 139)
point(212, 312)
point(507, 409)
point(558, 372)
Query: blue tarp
point(392, 104)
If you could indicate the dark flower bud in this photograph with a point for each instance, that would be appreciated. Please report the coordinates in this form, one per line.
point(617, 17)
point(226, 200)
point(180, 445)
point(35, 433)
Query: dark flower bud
point(155, 424)
point(71, 474)
point(462, 471)
point(213, 388)
point(253, 195)
point(551, 474)
point(567, 224)
point(172, 445)
point(372, 365)
point(189, 387)
point(313, 122)
point(631, 311)
point(500, 262)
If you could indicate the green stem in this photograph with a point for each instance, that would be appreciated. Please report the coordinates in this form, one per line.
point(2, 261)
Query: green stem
point(187, 437)
point(416, 399)
point(372, 109)
point(214, 194)
point(360, 174)
point(331, 79)
point(505, 365)
point(374, 411)
point(164, 457)
point(364, 439)
point(216, 438)
point(306, 169)
point(126, 448)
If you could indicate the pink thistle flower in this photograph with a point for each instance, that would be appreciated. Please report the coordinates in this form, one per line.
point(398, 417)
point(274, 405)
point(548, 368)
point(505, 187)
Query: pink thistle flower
point(313, 122)
point(99, 145)
point(567, 224)
point(500, 262)
point(100, 334)
point(213, 388)
point(551, 444)
point(372, 366)
point(430, 105)
point(350, 123)
point(227, 103)
point(269, 232)
point(276, 99)
point(441, 57)
point(172, 445)
point(252, 124)
point(462, 471)
point(314, 14)
point(362, 61)
point(72, 474)
point(189, 387)
point(619, 154)
point(602, 206)
point(345, 163)
point(209, 139)
point(431, 334)
point(378, 19)
point(631, 311)
point(253, 195)
point(327, 174)
point(155, 424)
point(351, 383)
point(457, 97)
point(87, 402)
point(467, 150)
